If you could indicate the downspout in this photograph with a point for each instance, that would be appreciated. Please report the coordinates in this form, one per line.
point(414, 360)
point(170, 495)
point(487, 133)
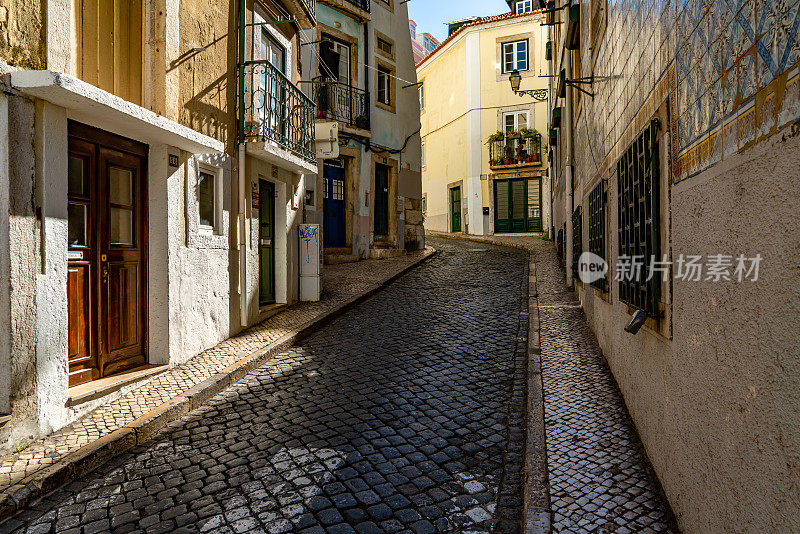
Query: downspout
point(570, 200)
point(242, 195)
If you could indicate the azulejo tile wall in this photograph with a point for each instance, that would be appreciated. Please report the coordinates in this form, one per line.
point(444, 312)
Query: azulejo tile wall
point(730, 67)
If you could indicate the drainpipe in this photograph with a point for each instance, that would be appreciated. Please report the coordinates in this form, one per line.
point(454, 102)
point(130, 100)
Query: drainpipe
point(570, 196)
point(242, 239)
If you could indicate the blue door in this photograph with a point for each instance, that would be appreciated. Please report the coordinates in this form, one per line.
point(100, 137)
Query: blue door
point(333, 206)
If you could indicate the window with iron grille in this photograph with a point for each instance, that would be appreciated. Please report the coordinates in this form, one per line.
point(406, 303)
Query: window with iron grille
point(577, 239)
point(597, 229)
point(639, 222)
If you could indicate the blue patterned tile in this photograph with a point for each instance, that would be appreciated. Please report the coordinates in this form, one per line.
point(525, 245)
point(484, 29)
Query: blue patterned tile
point(747, 77)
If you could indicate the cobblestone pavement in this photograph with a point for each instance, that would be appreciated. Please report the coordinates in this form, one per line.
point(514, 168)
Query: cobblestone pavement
point(600, 479)
point(403, 415)
point(341, 282)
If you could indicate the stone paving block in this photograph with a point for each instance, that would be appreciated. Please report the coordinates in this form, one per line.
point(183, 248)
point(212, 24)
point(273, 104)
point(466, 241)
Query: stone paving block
point(303, 443)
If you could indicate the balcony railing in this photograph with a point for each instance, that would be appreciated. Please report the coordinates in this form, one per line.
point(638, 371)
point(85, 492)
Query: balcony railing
point(515, 150)
point(361, 4)
point(342, 103)
point(276, 110)
point(311, 6)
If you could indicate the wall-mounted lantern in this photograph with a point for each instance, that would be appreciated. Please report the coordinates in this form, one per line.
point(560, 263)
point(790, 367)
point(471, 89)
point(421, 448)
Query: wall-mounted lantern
point(515, 78)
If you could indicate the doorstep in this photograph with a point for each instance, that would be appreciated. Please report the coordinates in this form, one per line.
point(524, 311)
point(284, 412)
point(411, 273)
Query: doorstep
point(105, 386)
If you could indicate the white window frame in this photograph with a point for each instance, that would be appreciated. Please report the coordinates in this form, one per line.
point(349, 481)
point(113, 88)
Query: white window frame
point(216, 173)
point(422, 153)
point(514, 46)
point(387, 80)
point(421, 96)
point(516, 115)
point(524, 6)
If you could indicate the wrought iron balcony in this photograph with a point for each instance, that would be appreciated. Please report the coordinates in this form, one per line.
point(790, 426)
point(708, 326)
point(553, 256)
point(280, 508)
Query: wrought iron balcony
point(274, 109)
point(515, 150)
point(361, 4)
point(342, 103)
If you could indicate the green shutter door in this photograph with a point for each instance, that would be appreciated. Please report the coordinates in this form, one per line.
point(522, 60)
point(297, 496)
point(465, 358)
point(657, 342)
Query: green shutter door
point(502, 207)
point(455, 204)
point(266, 242)
point(534, 204)
point(519, 206)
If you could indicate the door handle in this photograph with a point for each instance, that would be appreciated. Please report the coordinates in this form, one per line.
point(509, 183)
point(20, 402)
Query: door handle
point(105, 272)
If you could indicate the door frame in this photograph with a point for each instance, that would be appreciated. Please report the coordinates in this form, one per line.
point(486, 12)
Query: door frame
point(453, 193)
point(391, 238)
point(449, 208)
point(347, 222)
point(101, 138)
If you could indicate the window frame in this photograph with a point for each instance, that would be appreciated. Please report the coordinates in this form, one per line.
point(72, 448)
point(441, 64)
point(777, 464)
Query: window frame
point(422, 153)
point(421, 91)
point(515, 51)
point(598, 239)
point(383, 68)
point(526, 3)
point(639, 170)
point(216, 207)
point(516, 115)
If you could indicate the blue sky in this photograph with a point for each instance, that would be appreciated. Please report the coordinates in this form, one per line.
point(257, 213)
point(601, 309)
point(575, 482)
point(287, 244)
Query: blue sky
point(431, 15)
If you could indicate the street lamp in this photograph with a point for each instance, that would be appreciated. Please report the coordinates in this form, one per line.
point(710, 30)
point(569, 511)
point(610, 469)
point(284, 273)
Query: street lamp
point(516, 80)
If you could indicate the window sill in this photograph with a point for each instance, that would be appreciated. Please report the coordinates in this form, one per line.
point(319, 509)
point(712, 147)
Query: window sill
point(97, 389)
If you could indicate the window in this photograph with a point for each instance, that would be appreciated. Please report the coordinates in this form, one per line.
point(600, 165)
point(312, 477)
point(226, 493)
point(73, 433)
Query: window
point(423, 153)
point(597, 229)
point(515, 56)
point(384, 86)
point(639, 222)
point(424, 205)
point(577, 239)
point(525, 6)
point(343, 68)
point(385, 46)
point(421, 96)
point(515, 121)
point(206, 198)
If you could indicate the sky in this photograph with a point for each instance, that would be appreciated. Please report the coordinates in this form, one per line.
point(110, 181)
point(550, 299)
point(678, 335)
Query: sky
point(431, 15)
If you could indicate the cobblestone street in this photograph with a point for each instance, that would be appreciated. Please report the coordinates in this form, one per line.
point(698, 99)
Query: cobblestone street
point(404, 415)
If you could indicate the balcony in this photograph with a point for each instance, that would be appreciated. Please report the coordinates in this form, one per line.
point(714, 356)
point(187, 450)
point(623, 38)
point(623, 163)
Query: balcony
point(514, 150)
point(359, 9)
point(304, 11)
point(275, 114)
point(342, 103)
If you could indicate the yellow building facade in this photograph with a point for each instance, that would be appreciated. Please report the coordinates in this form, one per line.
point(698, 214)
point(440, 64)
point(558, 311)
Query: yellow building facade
point(484, 149)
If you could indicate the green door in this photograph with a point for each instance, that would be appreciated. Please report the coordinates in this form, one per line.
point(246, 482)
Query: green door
point(266, 241)
point(511, 206)
point(455, 209)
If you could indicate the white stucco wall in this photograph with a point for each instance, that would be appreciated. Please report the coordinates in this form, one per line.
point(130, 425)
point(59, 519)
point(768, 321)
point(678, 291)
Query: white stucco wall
point(472, 193)
point(5, 264)
point(51, 295)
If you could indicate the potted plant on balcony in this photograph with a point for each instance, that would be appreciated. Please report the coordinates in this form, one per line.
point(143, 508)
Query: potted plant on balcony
point(495, 137)
point(514, 135)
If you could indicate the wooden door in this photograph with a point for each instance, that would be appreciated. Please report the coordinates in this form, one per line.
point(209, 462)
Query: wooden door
point(266, 241)
point(107, 267)
point(455, 209)
point(381, 200)
point(519, 205)
point(334, 228)
point(510, 206)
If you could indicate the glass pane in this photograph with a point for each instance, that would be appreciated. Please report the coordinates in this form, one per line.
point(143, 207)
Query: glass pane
point(77, 223)
point(522, 121)
point(510, 123)
point(205, 197)
point(120, 186)
point(121, 226)
point(77, 180)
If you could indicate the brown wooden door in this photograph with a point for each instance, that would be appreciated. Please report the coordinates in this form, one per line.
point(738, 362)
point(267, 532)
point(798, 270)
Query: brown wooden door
point(107, 282)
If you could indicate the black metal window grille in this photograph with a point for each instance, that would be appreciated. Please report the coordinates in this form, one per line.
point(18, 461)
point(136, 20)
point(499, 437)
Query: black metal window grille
point(597, 229)
point(577, 238)
point(639, 222)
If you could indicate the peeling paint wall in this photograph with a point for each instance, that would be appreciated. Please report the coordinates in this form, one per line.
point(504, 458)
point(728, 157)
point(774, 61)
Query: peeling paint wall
point(22, 31)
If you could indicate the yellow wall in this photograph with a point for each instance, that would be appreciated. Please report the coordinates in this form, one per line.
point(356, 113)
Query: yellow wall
point(443, 130)
point(444, 119)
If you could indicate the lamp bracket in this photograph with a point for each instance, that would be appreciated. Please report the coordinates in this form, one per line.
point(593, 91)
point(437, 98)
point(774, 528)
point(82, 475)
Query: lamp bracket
point(540, 95)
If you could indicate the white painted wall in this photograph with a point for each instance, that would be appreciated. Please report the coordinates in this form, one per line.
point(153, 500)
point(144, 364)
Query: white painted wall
point(51, 282)
point(473, 189)
point(5, 264)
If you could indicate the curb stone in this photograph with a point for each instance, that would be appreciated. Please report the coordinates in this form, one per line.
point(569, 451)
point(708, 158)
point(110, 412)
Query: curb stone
point(86, 459)
point(537, 513)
